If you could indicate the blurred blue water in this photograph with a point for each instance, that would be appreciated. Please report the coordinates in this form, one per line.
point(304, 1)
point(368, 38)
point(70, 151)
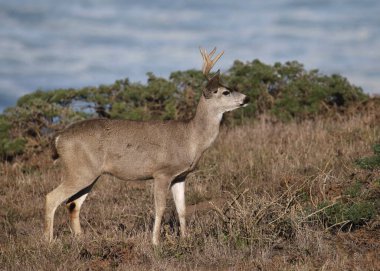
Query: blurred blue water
point(48, 44)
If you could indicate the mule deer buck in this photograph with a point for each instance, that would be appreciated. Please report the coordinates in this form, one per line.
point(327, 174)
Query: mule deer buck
point(132, 150)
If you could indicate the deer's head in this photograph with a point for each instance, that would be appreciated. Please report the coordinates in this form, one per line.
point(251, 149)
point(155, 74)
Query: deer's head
point(218, 96)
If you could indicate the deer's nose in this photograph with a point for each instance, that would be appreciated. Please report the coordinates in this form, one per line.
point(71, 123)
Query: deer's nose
point(246, 100)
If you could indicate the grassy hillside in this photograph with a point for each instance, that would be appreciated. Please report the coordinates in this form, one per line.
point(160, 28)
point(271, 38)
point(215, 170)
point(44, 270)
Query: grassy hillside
point(268, 196)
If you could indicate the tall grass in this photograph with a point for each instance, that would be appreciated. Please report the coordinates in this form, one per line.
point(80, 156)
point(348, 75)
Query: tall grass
point(267, 196)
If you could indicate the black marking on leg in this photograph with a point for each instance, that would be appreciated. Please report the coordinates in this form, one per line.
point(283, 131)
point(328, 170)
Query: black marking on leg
point(82, 192)
point(71, 207)
point(180, 178)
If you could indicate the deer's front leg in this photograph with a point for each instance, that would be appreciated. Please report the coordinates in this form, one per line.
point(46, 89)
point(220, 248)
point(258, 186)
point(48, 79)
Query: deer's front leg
point(178, 190)
point(161, 185)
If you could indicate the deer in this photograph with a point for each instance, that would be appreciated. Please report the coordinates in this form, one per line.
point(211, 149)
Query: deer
point(165, 151)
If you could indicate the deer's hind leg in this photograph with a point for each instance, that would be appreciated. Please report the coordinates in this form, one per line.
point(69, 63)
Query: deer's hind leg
point(74, 209)
point(71, 186)
point(74, 204)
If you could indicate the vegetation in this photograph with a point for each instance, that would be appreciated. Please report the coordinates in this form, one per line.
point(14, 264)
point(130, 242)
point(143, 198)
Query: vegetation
point(294, 186)
point(9, 146)
point(285, 91)
point(267, 196)
point(372, 162)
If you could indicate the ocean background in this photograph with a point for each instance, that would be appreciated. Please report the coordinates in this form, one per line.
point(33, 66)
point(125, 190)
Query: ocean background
point(47, 44)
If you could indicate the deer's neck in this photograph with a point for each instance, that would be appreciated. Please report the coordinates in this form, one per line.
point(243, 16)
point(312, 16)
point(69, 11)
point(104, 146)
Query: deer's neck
point(204, 126)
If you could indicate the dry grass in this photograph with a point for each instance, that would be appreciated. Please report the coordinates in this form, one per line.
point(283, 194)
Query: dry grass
point(254, 204)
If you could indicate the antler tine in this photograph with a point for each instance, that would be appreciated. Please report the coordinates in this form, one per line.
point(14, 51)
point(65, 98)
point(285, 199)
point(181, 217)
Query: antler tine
point(208, 63)
point(217, 57)
point(204, 55)
point(205, 60)
point(212, 52)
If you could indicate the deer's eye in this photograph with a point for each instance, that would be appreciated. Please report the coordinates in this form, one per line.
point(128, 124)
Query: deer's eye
point(226, 92)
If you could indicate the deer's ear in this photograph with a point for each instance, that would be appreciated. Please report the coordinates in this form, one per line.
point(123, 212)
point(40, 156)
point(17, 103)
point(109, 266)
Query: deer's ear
point(212, 85)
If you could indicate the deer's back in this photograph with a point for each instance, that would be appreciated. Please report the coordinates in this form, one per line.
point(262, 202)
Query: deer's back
point(126, 149)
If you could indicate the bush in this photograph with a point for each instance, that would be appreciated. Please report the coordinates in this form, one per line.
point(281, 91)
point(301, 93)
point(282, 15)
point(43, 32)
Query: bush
point(357, 205)
point(351, 214)
point(286, 91)
point(372, 162)
point(9, 147)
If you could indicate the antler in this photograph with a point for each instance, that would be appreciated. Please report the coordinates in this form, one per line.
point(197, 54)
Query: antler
point(208, 63)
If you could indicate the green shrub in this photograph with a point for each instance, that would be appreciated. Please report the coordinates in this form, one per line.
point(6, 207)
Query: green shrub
point(287, 91)
point(354, 190)
point(9, 147)
point(359, 212)
point(372, 162)
point(353, 214)
point(376, 149)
